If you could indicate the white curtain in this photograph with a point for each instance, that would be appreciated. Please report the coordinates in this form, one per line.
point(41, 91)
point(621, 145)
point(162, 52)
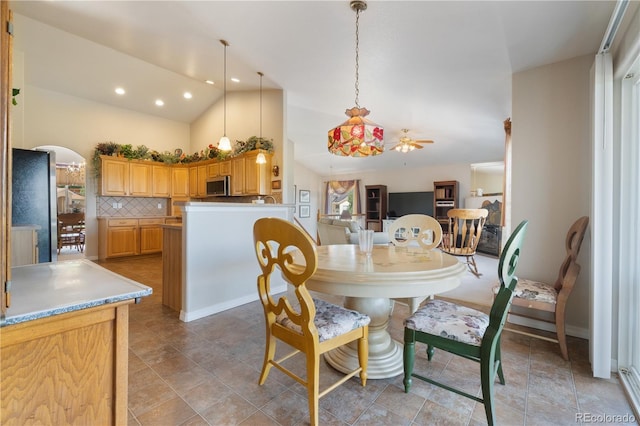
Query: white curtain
point(600, 300)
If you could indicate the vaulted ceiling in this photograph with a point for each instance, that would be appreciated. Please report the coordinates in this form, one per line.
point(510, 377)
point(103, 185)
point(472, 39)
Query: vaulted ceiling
point(439, 68)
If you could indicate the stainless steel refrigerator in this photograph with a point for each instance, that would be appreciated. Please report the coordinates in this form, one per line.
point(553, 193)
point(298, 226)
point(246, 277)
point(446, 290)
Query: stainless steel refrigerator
point(33, 197)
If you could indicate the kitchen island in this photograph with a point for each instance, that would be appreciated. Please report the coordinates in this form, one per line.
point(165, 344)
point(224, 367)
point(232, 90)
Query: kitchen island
point(64, 345)
point(218, 269)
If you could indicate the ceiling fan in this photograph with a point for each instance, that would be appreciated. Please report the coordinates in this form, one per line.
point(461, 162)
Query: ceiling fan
point(407, 144)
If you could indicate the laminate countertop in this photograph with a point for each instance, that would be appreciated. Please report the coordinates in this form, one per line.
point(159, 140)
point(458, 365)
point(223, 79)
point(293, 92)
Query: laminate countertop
point(46, 289)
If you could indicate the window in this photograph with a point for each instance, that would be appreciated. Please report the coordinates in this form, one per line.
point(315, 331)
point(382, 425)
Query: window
point(341, 196)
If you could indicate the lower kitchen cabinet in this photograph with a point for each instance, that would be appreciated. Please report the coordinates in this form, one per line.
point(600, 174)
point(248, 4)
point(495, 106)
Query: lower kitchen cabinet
point(129, 237)
point(150, 235)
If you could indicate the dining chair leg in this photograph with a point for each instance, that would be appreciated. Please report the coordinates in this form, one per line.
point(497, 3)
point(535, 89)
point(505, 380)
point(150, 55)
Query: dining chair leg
point(363, 357)
point(313, 387)
point(408, 357)
point(499, 359)
point(269, 353)
point(561, 335)
point(487, 378)
point(430, 351)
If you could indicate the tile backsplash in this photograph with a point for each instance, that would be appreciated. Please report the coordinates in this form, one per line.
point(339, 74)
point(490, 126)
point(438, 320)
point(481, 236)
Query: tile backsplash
point(132, 206)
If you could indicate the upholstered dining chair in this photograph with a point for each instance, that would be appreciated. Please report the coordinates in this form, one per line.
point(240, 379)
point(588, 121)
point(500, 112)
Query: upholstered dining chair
point(310, 326)
point(419, 230)
point(547, 302)
point(463, 234)
point(465, 331)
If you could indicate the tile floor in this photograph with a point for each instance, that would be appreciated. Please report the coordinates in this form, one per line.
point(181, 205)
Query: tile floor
point(205, 372)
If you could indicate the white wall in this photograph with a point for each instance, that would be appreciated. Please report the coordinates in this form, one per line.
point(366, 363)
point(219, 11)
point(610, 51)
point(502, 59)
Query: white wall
point(551, 180)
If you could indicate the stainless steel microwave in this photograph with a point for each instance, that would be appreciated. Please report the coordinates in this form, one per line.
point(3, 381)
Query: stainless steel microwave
point(219, 186)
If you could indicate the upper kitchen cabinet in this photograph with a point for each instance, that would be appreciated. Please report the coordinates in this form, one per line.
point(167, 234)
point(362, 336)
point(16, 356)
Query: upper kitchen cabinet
point(198, 181)
point(140, 179)
point(134, 178)
point(114, 176)
point(179, 182)
point(257, 177)
point(161, 181)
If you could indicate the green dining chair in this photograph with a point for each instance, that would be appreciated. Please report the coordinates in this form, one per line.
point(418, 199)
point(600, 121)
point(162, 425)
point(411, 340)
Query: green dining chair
point(467, 332)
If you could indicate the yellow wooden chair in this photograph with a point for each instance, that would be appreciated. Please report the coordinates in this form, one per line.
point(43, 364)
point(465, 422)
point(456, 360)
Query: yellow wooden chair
point(415, 230)
point(547, 302)
point(310, 326)
point(467, 332)
point(463, 235)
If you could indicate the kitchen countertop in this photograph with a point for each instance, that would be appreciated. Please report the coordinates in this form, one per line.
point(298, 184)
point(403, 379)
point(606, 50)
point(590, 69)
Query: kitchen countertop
point(46, 289)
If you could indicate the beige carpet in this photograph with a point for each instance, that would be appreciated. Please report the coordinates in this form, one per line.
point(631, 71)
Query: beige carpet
point(477, 290)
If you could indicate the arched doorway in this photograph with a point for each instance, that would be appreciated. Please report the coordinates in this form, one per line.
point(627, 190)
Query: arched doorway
point(71, 203)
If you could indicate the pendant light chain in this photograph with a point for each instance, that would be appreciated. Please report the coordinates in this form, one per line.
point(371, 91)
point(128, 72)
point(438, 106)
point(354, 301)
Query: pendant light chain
point(224, 88)
point(260, 74)
point(357, 55)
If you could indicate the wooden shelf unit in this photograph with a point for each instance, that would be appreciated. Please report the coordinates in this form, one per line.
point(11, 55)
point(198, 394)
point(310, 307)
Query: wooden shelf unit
point(375, 206)
point(445, 198)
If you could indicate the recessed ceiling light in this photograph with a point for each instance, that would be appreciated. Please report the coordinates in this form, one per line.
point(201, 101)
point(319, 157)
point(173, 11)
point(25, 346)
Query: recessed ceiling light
point(235, 80)
point(159, 102)
point(209, 82)
point(120, 91)
point(187, 95)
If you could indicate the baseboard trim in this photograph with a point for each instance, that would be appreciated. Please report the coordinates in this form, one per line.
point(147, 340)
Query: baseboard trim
point(229, 304)
point(571, 330)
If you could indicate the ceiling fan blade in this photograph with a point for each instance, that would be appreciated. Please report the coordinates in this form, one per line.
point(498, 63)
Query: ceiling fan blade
point(395, 146)
point(417, 146)
point(423, 141)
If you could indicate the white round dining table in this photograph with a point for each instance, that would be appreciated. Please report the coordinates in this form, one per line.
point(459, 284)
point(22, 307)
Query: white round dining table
point(369, 282)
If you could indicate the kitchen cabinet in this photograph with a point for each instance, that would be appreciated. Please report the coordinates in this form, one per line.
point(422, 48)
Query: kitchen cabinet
point(225, 168)
point(161, 181)
point(237, 175)
point(117, 237)
point(198, 181)
point(133, 178)
point(150, 235)
point(248, 177)
point(213, 170)
point(179, 182)
point(257, 177)
point(140, 179)
point(114, 176)
point(129, 236)
point(63, 351)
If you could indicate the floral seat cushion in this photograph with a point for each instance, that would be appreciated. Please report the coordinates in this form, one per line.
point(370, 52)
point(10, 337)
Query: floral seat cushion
point(331, 320)
point(451, 321)
point(534, 290)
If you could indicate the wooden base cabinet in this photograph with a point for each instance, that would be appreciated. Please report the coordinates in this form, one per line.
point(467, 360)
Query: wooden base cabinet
point(129, 237)
point(67, 369)
point(150, 235)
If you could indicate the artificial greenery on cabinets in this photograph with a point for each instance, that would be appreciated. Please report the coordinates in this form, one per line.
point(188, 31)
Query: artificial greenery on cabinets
point(141, 152)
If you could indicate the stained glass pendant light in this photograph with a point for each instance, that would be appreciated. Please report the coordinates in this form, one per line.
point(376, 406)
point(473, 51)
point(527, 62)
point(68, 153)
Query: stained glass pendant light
point(260, 158)
point(225, 144)
point(358, 136)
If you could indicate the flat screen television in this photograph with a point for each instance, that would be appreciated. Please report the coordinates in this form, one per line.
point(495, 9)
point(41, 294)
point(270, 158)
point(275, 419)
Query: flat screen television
point(403, 203)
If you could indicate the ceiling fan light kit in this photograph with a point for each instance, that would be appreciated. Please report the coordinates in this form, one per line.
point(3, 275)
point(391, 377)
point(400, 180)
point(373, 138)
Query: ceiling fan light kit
point(358, 136)
point(407, 144)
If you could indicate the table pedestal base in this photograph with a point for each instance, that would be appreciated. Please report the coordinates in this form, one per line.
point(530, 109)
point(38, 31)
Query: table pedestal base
point(385, 354)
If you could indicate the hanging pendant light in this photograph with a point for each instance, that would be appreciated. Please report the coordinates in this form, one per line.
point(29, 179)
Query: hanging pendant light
point(225, 144)
point(260, 159)
point(358, 136)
